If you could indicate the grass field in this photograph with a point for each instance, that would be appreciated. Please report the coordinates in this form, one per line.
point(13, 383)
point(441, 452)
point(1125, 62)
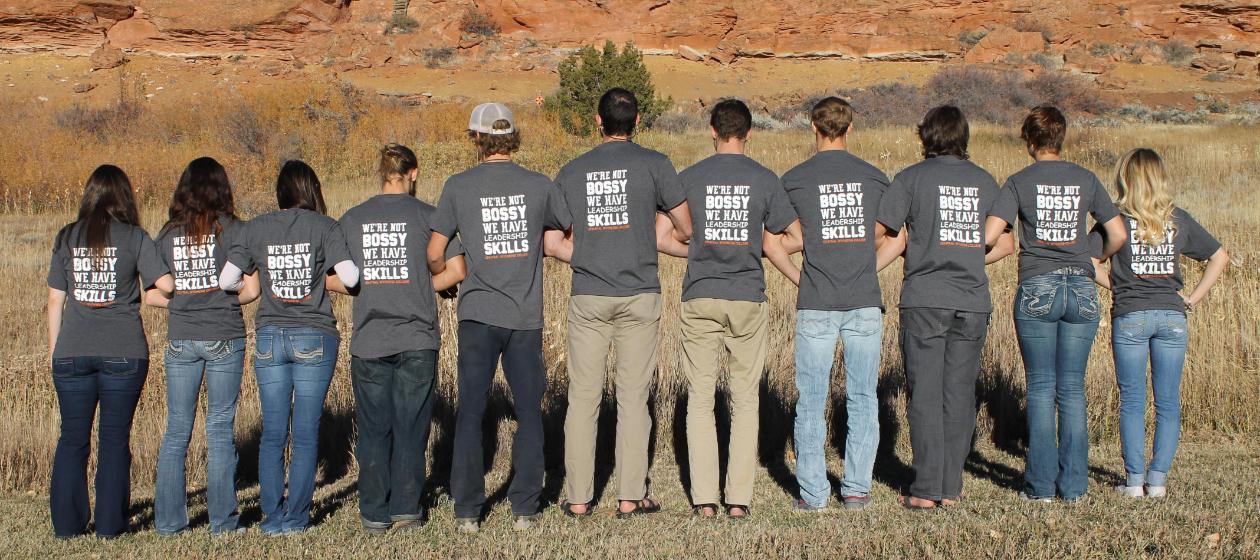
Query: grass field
point(338, 131)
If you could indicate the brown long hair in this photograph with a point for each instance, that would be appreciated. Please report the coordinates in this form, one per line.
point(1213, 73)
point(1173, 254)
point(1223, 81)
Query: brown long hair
point(398, 160)
point(202, 197)
point(298, 186)
point(107, 198)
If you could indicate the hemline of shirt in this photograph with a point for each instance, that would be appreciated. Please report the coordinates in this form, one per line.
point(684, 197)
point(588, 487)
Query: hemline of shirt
point(327, 329)
point(854, 307)
point(726, 295)
point(576, 291)
point(377, 355)
point(498, 322)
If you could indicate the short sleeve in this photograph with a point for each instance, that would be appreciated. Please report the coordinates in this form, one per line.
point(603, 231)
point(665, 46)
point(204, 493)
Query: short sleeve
point(1097, 238)
point(669, 189)
point(894, 206)
point(1199, 244)
point(444, 221)
point(238, 249)
point(149, 259)
point(1006, 206)
point(454, 249)
point(1103, 209)
point(57, 268)
point(558, 216)
point(779, 213)
point(335, 248)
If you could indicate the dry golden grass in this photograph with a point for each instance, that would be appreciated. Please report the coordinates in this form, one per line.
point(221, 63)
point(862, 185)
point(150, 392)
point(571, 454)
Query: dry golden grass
point(339, 132)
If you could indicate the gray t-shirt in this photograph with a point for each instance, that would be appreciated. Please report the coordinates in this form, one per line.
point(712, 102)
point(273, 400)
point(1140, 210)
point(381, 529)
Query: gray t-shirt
point(732, 200)
point(614, 192)
point(199, 310)
point(499, 210)
point(294, 250)
point(944, 202)
point(837, 196)
point(102, 313)
point(395, 309)
point(1052, 200)
point(1147, 276)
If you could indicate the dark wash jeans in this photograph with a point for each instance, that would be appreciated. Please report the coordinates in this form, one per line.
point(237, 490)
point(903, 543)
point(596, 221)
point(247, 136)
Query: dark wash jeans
point(941, 351)
point(294, 366)
point(480, 346)
point(82, 383)
point(393, 406)
point(1056, 319)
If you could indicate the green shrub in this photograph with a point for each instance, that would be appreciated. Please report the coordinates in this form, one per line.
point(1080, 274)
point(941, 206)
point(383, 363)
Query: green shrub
point(586, 74)
point(476, 22)
point(402, 24)
point(1177, 53)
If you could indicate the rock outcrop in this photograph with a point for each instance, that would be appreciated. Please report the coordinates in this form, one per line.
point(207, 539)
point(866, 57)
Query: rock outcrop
point(355, 33)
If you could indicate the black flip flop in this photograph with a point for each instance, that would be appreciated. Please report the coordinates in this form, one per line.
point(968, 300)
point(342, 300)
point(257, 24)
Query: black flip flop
point(568, 511)
point(639, 509)
point(747, 512)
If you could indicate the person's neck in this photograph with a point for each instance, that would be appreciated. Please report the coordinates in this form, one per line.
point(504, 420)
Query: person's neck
point(1047, 156)
point(394, 187)
point(616, 138)
point(496, 158)
point(825, 144)
point(730, 147)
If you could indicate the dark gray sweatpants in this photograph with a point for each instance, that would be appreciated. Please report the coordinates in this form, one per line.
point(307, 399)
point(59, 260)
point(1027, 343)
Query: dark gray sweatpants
point(941, 352)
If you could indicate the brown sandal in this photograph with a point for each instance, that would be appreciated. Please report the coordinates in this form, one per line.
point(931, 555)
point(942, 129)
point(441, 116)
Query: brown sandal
point(568, 509)
point(641, 507)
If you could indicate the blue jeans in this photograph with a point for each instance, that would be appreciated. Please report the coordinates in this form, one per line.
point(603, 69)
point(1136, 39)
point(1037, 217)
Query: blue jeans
point(861, 331)
point(82, 383)
point(393, 398)
point(294, 366)
point(1056, 319)
point(222, 362)
point(1161, 336)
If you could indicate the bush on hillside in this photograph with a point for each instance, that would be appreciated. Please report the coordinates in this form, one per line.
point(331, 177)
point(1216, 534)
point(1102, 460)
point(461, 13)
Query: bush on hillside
point(588, 73)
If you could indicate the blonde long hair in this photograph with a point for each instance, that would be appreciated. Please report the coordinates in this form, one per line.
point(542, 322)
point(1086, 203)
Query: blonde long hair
point(1142, 192)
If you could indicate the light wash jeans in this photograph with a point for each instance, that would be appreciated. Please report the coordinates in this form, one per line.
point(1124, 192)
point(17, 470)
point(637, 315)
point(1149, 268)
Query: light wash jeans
point(294, 366)
point(1056, 320)
point(222, 362)
point(817, 332)
point(1160, 336)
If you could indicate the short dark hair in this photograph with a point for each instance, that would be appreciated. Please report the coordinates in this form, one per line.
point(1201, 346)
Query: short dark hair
point(832, 117)
point(944, 132)
point(618, 109)
point(501, 144)
point(1044, 129)
point(731, 118)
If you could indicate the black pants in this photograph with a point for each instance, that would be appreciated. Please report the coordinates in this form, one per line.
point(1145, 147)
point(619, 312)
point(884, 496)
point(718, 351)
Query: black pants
point(394, 404)
point(941, 350)
point(480, 346)
point(82, 383)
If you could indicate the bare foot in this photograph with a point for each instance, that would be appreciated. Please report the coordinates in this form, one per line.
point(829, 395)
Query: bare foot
point(737, 512)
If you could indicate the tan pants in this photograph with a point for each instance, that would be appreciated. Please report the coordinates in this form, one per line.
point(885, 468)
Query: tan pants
point(711, 327)
point(632, 323)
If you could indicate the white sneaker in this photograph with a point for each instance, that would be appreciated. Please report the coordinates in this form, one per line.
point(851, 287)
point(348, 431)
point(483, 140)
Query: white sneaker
point(1131, 491)
point(1156, 491)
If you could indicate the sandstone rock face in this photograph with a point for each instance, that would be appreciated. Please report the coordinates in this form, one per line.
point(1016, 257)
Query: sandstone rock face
point(1005, 41)
point(350, 33)
point(107, 57)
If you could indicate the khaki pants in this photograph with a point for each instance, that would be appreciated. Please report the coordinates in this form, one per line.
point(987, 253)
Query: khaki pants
point(632, 323)
point(711, 327)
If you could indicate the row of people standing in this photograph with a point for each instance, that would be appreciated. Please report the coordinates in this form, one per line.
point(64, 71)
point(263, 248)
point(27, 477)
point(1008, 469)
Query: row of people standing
point(614, 208)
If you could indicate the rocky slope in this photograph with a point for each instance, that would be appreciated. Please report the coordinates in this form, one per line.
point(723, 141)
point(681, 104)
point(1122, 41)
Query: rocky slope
point(1081, 35)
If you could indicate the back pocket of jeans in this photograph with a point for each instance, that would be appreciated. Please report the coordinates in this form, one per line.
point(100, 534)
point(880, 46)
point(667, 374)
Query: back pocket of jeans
point(308, 349)
point(120, 366)
point(1035, 300)
point(1086, 302)
point(63, 367)
point(263, 348)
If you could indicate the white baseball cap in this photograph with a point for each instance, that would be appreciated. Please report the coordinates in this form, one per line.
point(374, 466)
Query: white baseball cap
point(485, 115)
